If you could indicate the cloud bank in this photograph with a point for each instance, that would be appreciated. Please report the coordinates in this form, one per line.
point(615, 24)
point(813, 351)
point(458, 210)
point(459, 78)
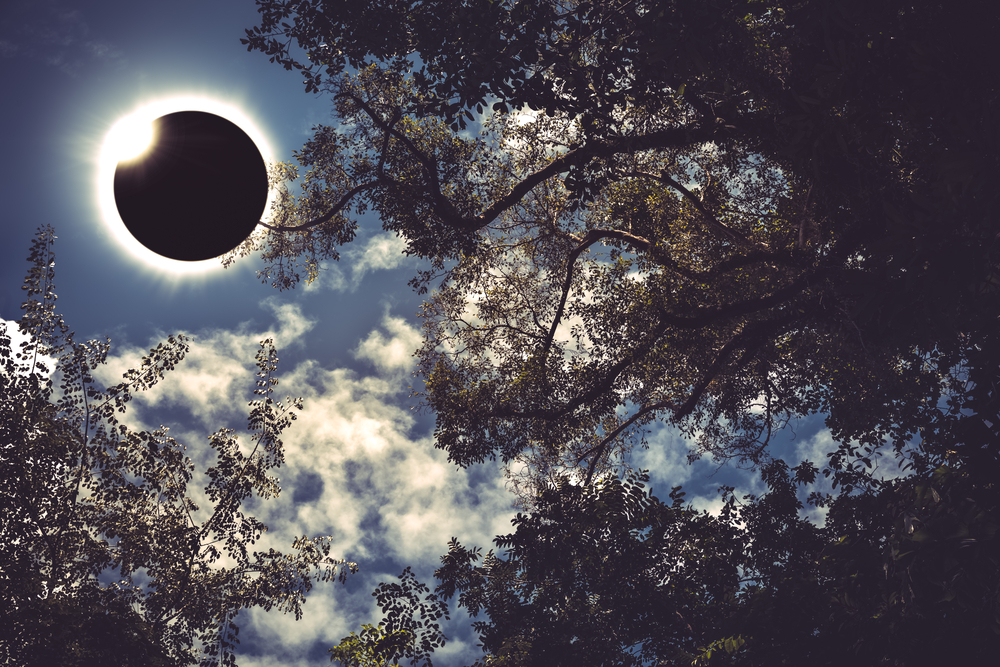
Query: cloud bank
point(354, 470)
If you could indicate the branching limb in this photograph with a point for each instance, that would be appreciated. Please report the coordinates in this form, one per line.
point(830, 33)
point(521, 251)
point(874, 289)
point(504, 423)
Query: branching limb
point(712, 222)
point(590, 239)
point(598, 449)
point(345, 200)
point(670, 138)
point(443, 207)
point(339, 206)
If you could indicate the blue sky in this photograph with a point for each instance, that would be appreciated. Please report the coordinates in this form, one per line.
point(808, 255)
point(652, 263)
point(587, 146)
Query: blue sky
point(361, 462)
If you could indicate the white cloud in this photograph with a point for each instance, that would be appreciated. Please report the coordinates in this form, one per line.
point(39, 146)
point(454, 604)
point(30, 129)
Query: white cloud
point(362, 476)
point(666, 458)
point(218, 369)
point(381, 252)
point(394, 353)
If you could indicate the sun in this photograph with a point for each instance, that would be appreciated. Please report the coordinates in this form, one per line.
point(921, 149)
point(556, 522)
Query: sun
point(128, 138)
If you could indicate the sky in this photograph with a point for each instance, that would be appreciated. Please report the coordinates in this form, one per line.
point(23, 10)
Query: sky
point(360, 461)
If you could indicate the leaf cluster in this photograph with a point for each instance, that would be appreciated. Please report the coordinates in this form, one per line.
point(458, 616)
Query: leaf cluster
point(608, 574)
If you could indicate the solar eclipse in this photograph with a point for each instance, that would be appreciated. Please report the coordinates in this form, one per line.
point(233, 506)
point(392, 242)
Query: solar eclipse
point(182, 182)
point(197, 191)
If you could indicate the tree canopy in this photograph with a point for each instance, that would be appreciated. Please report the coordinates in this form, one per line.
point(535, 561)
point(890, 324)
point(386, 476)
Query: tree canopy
point(721, 215)
point(105, 557)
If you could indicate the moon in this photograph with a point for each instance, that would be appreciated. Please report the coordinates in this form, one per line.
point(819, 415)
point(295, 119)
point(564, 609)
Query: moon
point(198, 190)
point(178, 183)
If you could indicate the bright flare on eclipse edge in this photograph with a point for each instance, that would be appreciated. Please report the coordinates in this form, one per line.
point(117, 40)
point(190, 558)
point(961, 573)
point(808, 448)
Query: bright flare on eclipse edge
point(128, 138)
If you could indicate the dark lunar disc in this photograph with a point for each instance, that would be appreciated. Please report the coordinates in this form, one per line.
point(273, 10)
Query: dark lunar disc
point(197, 192)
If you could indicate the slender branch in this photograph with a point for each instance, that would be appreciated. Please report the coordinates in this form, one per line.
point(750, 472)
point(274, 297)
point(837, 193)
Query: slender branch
point(681, 136)
point(713, 222)
point(592, 237)
point(598, 449)
point(443, 207)
point(597, 388)
point(751, 339)
point(802, 223)
point(329, 214)
point(706, 316)
point(745, 339)
point(494, 327)
point(339, 206)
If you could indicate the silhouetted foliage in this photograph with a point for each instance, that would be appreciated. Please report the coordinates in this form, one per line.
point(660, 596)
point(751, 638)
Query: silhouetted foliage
point(105, 558)
point(721, 215)
point(724, 214)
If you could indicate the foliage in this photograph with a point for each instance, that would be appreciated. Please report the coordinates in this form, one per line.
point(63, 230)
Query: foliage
point(409, 629)
point(105, 556)
point(723, 214)
point(607, 574)
point(598, 575)
point(374, 647)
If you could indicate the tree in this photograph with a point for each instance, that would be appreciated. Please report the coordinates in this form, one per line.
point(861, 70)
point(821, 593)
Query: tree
point(599, 575)
point(409, 629)
point(724, 215)
point(721, 215)
point(607, 574)
point(105, 558)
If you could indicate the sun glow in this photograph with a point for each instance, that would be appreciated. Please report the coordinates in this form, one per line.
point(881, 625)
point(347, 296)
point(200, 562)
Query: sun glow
point(128, 138)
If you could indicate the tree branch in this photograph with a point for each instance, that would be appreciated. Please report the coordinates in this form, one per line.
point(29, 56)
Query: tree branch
point(592, 237)
point(339, 206)
point(601, 446)
point(706, 316)
point(329, 214)
point(442, 206)
point(711, 220)
point(673, 137)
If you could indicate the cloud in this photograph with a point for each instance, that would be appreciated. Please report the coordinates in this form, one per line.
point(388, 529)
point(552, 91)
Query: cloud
point(392, 354)
point(354, 469)
point(666, 458)
point(381, 252)
point(217, 369)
